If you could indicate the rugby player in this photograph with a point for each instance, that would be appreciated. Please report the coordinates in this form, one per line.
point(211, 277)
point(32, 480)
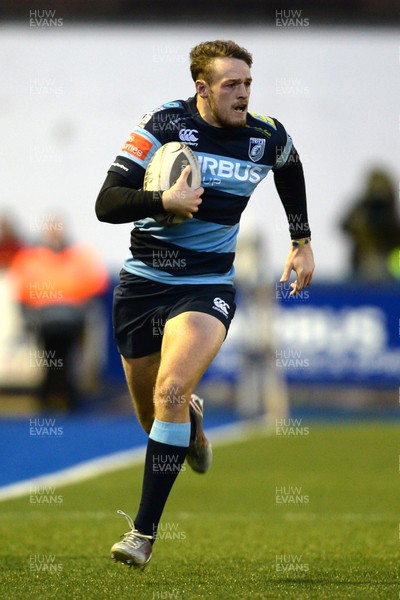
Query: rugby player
point(181, 278)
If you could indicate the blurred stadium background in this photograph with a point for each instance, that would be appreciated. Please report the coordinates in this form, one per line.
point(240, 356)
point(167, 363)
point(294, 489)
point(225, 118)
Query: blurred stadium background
point(76, 77)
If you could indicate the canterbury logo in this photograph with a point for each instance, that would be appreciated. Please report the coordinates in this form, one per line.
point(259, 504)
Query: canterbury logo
point(221, 305)
point(188, 135)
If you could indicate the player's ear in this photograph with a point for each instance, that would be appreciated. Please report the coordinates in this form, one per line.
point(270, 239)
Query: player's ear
point(201, 88)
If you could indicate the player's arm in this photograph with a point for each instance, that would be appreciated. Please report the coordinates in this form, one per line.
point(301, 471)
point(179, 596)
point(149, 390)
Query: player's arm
point(119, 201)
point(290, 185)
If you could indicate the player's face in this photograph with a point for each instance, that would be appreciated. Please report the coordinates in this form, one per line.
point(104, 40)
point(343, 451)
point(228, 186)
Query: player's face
point(224, 101)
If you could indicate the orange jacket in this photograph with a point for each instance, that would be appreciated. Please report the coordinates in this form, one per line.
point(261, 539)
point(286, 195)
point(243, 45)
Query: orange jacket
point(41, 276)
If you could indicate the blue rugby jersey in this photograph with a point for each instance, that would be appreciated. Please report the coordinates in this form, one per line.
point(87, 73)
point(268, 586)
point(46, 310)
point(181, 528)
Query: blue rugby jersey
point(233, 162)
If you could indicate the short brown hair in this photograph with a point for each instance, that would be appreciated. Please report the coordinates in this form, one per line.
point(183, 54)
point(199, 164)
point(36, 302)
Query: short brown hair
point(202, 56)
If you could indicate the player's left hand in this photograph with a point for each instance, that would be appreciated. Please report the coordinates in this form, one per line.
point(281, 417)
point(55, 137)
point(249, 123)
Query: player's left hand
point(300, 260)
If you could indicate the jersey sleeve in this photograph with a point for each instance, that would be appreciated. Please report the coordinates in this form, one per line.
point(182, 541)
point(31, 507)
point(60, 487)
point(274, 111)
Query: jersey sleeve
point(143, 142)
point(284, 147)
point(290, 184)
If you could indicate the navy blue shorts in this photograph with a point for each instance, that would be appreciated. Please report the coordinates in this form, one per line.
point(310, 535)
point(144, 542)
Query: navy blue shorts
point(142, 307)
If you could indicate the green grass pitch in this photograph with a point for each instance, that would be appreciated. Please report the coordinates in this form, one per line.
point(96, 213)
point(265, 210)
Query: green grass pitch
point(278, 516)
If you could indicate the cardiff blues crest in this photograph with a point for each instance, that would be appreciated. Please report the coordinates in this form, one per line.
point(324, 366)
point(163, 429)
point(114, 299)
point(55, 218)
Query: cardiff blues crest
point(256, 148)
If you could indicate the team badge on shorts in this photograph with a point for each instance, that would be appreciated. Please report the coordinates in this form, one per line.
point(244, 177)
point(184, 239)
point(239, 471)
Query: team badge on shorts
point(256, 149)
point(221, 306)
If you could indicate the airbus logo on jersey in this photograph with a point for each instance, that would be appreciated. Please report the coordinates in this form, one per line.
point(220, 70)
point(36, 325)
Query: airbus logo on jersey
point(256, 148)
point(221, 306)
point(214, 171)
point(188, 136)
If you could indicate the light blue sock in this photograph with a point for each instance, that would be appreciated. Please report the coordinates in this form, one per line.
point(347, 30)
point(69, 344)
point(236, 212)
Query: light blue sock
point(174, 434)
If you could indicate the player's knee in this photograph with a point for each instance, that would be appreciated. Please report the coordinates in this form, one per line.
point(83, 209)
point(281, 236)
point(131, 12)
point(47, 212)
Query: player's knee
point(171, 394)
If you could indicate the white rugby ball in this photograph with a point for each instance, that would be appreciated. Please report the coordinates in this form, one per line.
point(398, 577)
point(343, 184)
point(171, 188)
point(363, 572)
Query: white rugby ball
point(164, 169)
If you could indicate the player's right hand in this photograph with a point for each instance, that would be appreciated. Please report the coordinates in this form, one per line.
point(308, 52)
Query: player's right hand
point(181, 199)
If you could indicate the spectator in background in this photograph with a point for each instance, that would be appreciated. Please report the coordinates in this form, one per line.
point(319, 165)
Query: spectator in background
point(262, 388)
point(55, 281)
point(373, 226)
point(10, 242)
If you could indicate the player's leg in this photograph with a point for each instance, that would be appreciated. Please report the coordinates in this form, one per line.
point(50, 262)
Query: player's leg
point(191, 341)
point(169, 394)
point(138, 337)
point(141, 375)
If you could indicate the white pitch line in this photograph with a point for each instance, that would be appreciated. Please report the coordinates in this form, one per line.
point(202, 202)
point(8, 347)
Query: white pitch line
point(79, 472)
point(112, 462)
